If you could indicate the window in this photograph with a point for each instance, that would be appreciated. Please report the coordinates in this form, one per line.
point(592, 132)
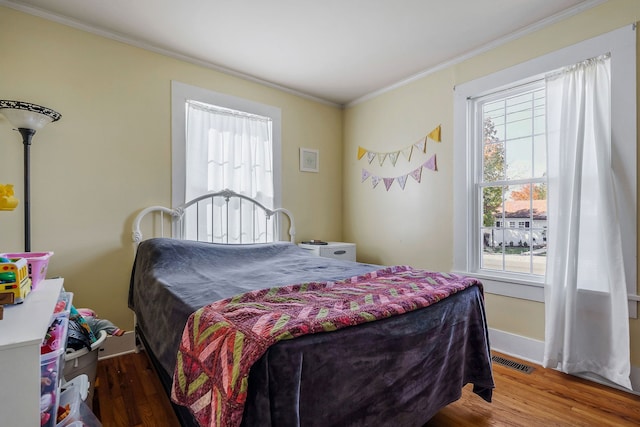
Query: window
point(510, 136)
point(228, 148)
point(500, 177)
point(223, 142)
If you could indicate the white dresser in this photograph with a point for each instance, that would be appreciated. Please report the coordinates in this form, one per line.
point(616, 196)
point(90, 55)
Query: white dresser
point(338, 250)
point(21, 332)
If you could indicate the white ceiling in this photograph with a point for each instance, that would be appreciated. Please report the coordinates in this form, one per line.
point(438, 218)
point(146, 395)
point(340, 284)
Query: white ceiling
point(338, 51)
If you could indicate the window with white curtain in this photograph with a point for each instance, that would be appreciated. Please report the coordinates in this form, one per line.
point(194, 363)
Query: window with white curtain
point(510, 135)
point(500, 159)
point(224, 142)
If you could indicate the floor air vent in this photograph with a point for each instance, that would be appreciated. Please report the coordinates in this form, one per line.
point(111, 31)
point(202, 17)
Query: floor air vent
point(512, 364)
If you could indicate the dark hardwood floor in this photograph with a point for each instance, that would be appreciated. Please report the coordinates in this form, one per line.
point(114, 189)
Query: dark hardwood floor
point(128, 394)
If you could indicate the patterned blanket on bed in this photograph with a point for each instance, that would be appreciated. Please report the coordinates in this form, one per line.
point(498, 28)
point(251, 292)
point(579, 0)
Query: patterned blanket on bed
point(222, 341)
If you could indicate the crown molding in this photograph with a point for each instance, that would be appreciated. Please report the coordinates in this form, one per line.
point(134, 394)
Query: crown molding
point(152, 48)
point(487, 47)
point(206, 64)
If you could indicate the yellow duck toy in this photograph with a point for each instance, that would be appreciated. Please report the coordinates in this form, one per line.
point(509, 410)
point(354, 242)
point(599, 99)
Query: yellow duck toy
point(7, 200)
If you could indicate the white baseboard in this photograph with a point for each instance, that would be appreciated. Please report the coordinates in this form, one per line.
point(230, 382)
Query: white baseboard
point(518, 346)
point(532, 350)
point(117, 346)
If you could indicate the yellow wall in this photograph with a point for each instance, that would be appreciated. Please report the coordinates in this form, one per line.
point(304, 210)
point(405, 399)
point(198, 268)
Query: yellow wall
point(110, 154)
point(415, 226)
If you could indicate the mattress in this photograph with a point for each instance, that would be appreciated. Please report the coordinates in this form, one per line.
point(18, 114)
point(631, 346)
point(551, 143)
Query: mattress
point(396, 371)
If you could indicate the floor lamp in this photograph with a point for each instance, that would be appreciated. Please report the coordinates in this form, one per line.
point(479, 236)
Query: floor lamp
point(27, 119)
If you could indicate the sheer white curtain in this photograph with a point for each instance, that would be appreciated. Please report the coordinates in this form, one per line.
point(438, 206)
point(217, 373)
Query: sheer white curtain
point(586, 325)
point(227, 149)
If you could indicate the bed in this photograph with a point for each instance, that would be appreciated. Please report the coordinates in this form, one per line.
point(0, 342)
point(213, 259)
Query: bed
point(370, 364)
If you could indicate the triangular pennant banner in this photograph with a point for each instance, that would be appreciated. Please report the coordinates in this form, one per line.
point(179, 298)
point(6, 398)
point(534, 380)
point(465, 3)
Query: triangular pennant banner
point(417, 174)
point(365, 175)
point(435, 134)
point(388, 182)
point(407, 152)
point(394, 157)
point(431, 163)
point(402, 180)
point(370, 156)
point(375, 180)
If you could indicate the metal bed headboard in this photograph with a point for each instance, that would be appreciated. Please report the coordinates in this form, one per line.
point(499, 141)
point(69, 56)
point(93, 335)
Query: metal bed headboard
point(217, 209)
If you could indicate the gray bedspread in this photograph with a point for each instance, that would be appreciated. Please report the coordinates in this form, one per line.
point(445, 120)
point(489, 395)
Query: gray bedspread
point(397, 371)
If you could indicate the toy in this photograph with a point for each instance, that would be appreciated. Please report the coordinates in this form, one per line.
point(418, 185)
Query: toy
point(63, 412)
point(14, 278)
point(6, 276)
point(8, 202)
point(53, 339)
point(48, 392)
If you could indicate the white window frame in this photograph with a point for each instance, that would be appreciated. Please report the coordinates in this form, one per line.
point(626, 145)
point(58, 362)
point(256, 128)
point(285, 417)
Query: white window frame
point(180, 93)
point(621, 43)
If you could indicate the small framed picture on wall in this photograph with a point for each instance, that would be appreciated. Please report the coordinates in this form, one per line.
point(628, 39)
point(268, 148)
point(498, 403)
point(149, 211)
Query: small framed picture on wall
point(309, 160)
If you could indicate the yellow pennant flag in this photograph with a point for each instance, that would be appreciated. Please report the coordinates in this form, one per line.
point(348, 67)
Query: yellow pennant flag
point(361, 152)
point(435, 134)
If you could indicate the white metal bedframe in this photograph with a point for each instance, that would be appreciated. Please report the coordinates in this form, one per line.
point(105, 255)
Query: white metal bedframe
point(272, 217)
point(177, 221)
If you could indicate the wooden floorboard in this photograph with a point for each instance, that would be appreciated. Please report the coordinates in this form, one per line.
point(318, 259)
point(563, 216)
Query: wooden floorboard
point(128, 394)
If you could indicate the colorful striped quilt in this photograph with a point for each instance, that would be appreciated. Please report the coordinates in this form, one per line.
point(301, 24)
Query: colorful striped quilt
point(223, 340)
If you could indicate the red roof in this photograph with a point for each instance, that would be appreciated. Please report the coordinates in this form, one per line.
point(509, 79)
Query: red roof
point(521, 209)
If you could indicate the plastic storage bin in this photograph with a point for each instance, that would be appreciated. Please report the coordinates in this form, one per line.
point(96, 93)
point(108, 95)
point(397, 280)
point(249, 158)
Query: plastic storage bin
point(63, 306)
point(37, 263)
point(77, 413)
point(69, 405)
point(83, 361)
point(51, 366)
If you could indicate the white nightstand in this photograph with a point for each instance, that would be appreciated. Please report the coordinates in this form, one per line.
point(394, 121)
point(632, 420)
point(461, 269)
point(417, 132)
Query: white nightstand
point(338, 250)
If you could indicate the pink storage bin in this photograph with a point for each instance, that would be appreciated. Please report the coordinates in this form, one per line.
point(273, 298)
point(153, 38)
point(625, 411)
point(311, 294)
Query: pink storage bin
point(37, 263)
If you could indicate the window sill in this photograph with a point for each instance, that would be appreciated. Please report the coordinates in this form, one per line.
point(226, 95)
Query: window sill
point(509, 287)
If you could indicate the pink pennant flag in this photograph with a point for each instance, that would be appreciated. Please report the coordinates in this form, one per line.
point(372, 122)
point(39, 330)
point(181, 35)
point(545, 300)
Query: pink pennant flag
point(431, 163)
point(388, 182)
point(417, 174)
point(402, 180)
point(375, 180)
point(365, 175)
point(370, 156)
